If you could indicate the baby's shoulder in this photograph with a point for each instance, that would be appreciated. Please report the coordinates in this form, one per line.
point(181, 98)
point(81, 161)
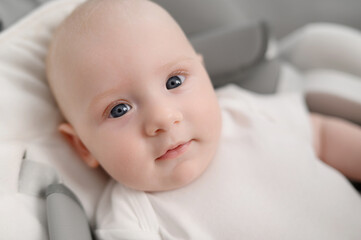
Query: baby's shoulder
point(285, 110)
point(234, 97)
point(232, 91)
point(124, 209)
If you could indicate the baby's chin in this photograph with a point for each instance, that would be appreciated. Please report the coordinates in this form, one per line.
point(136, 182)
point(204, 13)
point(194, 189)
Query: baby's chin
point(178, 173)
point(187, 174)
point(184, 175)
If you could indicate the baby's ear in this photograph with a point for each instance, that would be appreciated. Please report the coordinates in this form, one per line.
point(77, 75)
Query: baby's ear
point(70, 135)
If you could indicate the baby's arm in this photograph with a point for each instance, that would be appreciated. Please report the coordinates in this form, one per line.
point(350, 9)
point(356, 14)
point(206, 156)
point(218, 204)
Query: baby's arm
point(338, 143)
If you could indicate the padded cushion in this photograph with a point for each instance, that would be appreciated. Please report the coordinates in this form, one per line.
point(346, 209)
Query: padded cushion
point(328, 57)
point(334, 93)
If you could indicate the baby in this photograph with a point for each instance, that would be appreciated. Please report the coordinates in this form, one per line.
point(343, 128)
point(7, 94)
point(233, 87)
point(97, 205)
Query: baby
point(186, 162)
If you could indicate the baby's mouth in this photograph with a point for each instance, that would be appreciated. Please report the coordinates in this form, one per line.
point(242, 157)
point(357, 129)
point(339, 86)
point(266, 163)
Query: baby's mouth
point(175, 151)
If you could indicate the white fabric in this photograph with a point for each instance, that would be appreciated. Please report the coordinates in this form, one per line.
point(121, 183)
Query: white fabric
point(327, 59)
point(324, 46)
point(321, 47)
point(29, 120)
point(265, 183)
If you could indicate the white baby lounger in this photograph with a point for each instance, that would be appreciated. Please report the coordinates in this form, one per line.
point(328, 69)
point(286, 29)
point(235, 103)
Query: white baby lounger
point(29, 115)
point(29, 124)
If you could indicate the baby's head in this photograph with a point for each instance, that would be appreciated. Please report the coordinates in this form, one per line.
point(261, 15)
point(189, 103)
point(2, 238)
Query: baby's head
point(135, 94)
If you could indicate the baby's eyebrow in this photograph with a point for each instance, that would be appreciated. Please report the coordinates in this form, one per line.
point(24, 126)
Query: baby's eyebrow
point(103, 95)
point(169, 65)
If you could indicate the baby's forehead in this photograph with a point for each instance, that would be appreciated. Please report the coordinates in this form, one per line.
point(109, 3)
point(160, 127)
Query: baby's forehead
point(97, 21)
point(103, 20)
point(99, 28)
point(97, 14)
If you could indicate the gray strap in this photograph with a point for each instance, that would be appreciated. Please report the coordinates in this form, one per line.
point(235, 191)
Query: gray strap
point(35, 177)
point(65, 214)
point(66, 217)
point(62, 189)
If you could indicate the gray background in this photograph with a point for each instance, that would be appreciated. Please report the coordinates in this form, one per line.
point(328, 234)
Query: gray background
point(286, 15)
point(282, 15)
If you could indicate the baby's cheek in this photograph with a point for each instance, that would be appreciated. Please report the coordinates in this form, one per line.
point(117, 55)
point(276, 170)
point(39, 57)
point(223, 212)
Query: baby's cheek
point(126, 162)
point(112, 154)
point(209, 114)
point(120, 168)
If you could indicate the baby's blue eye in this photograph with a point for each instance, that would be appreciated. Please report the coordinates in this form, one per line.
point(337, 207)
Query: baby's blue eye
point(119, 110)
point(175, 81)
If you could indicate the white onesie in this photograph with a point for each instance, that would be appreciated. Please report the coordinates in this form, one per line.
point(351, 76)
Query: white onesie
point(264, 183)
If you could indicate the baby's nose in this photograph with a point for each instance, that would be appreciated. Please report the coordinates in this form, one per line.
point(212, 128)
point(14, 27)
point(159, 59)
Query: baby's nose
point(161, 119)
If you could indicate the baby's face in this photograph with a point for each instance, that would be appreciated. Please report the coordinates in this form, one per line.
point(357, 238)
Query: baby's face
point(144, 106)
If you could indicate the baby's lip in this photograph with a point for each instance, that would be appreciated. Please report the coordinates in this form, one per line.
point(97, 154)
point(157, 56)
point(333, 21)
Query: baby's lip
point(174, 150)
